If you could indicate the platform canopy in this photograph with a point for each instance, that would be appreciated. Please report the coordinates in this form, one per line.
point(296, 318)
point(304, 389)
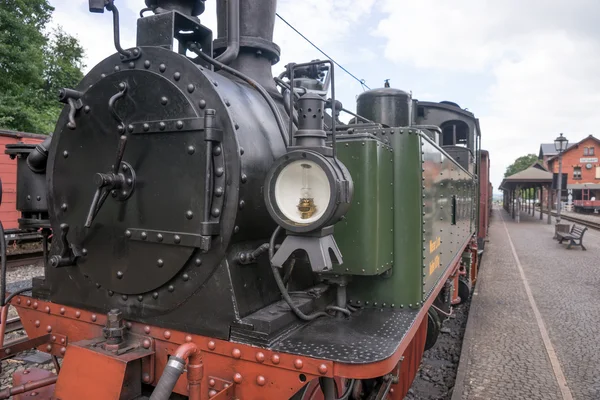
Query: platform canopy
point(534, 176)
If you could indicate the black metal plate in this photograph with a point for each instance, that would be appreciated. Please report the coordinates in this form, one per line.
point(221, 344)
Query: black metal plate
point(370, 335)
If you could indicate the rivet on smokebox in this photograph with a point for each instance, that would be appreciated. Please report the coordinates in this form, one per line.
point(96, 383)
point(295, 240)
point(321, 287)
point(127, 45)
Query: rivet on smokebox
point(35, 305)
point(323, 369)
point(147, 329)
point(211, 345)
point(237, 378)
point(260, 356)
point(260, 380)
point(167, 334)
point(275, 359)
point(212, 393)
point(236, 353)
point(93, 318)
point(146, 343)
point(211, 382)
point(37, 323)
point(77, 314)
point(298, 363)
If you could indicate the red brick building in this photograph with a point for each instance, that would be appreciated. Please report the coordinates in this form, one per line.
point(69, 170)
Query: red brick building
point(580, 162)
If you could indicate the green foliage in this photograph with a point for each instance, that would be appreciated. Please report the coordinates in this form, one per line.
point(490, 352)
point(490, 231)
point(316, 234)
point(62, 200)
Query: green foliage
point(521, 164)
point(34, 65)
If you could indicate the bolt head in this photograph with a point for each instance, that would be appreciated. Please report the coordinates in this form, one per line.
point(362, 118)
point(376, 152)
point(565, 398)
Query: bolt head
point(237, 378)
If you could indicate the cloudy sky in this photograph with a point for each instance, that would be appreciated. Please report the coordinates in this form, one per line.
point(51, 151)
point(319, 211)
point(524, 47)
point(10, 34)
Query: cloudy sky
point(528, 69)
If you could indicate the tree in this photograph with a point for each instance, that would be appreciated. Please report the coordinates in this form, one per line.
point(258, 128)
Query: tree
point(521, 164)
point(32, 64)
point(63, 62)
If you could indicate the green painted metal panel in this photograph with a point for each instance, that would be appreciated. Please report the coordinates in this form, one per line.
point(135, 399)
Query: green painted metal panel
point(365, 235)
point(429, 188)
point(448, 212)
point(402, 286)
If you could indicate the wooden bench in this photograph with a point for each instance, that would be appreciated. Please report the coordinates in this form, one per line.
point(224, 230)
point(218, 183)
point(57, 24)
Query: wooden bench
point(576, 235)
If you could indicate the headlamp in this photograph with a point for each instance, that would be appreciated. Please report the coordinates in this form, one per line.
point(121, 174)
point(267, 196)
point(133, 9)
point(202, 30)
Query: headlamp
point(306, 191)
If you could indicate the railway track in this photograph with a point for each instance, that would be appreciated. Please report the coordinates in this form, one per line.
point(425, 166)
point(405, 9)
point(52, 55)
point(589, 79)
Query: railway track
point(21, 259)
point(588, 223)
point(13, 324)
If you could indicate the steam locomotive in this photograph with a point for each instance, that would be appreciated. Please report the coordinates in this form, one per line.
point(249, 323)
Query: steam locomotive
point(218, 232)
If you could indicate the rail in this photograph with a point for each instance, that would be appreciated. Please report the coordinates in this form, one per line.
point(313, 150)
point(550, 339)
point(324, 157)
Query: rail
point(26, 258)
point(586, 222)
point(13, 325)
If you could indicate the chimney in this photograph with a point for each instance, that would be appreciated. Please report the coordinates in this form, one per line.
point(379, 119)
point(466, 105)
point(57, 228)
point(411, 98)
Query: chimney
point(257, 51)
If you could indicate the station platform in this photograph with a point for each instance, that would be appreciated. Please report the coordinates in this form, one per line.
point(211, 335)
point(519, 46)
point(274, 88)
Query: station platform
point(534, 325)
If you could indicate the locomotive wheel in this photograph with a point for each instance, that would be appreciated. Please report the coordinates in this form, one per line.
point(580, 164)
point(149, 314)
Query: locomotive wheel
point(464, 290)
point(434, 326)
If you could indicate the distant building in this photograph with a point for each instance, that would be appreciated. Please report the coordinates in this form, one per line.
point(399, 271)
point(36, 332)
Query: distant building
point(580, 162)
point(547, 151)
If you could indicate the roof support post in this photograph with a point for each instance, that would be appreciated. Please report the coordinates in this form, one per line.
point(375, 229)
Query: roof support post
point(541, 198)
point(549, 205)
point(519, 204)
point(513, 203)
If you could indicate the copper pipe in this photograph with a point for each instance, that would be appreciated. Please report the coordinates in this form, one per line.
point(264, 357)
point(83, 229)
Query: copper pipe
point(3, 320)
point(26, 387)
point(195, 368)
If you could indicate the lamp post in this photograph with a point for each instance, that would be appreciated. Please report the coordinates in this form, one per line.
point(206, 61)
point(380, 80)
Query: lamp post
point(560, 144)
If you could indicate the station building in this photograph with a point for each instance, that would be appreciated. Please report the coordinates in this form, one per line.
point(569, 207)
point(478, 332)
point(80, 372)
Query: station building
point(580, 162)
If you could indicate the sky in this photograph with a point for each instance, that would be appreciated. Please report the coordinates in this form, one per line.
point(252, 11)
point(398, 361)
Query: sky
point(528, 70)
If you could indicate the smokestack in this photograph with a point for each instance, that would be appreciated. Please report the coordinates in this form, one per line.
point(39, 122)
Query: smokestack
point(187, 7)
point(257, 51)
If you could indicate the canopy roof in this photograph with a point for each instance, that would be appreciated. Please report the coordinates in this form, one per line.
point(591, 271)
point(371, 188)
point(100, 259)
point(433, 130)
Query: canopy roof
point(535, 175)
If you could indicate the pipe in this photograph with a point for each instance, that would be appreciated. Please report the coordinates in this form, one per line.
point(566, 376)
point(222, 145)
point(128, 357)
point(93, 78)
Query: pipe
point(195, 368)
point(341, 298)
point(38, 158)
point(2, 266)
point(282, 288)
point(233, 33)
point(26, 387)
point(3, 321)
point(174, 369)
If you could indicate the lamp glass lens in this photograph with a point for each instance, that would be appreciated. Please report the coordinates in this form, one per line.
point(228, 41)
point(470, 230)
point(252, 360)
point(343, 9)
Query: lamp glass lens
point(302, 191)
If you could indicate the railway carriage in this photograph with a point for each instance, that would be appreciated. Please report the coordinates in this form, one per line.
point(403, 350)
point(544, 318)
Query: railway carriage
point(220, 234)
